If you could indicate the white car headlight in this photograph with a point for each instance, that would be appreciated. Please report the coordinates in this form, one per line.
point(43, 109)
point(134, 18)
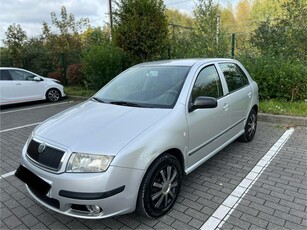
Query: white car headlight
point(82, 162)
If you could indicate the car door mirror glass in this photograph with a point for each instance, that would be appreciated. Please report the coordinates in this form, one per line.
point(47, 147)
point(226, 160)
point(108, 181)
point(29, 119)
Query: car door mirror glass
point(203, 103)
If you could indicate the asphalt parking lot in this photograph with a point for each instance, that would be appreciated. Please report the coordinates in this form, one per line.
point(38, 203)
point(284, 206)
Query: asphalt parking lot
point(257, 185)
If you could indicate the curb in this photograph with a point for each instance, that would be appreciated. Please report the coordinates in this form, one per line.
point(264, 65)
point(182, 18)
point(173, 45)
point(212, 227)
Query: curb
point(282, 119)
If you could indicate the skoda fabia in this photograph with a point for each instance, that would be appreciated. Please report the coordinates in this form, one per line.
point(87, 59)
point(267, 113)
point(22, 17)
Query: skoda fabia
point(128, 147)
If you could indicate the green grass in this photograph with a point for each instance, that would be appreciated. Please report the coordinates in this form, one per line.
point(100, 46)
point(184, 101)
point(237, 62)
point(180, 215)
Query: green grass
point(78, 91)
point(282, 107)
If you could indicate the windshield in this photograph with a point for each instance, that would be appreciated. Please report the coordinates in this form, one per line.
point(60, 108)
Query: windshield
point(145, 86)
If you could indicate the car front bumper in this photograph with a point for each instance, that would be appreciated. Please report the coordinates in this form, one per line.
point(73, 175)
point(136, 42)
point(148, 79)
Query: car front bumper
point(83, 195)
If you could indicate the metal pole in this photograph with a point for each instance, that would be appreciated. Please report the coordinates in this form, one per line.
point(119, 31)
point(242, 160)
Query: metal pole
point(111, 17)
point(233, 38)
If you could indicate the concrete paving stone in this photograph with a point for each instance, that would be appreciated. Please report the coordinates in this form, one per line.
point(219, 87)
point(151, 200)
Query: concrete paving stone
point(217, 199)
point(198, 187)
point(29, 220)
point(203, 194)
point(74, 224)
point(255, 221)
point(259, 189)
point(237, 222)
point(207, 203)
point(18, 195)
point(247, 209)
point(180, 216)
point(5, 213)
point(289, 204)
point(289, 217)
point(27, 202)
point(161, 225)
point(4, 197)
point(166, 219)
point(271, 219)
point(262, 208)
point(254, 199)
point(180, 225)
point(188, 203)
point(302, 195)
point(208, 211)
point(11, 203)
point(20, 211)
point(291, 225)
point(148, 222)
point(37, 210)
point(11, 222)
point(268, 197)
point(273, 226)
point(287, 187)
point(282, 196)
point(128, 221)
point(188, 195)
point(273, 188)
point(276, 206)
point(40, 226)
point(217, 193)
point(297, 213)
point(112, 223)
point(195, 223)
point(46, 218)
point(197, 215)
point(59, 226)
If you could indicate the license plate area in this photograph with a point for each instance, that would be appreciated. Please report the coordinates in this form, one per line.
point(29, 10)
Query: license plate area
point(32, 180)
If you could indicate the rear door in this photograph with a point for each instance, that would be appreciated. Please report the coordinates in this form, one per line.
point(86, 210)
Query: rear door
point(207, 127)
point(239, 94)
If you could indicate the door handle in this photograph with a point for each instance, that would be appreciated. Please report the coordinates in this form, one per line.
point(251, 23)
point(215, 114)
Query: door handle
point(18, 84)
point(249, 94)
point(225, 107)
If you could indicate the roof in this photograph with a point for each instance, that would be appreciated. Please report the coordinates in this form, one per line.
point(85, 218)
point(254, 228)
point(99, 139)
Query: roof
point(183, 62)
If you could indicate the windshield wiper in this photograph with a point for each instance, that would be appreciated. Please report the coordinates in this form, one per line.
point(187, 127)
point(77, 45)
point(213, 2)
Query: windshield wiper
point(97, 99)
point(126, 103)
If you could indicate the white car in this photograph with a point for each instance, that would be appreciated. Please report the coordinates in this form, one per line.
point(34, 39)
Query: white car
point(129, 145)
point(19, 85)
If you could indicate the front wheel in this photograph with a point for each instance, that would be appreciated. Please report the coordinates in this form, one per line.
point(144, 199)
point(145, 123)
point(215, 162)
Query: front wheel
point(250, 127)
point(160, 187)
point(53, 95)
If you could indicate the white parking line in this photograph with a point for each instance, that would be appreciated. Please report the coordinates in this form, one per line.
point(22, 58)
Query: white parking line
point(223, 212)
point(36, 107)
point(7, 175)
point(19, 127)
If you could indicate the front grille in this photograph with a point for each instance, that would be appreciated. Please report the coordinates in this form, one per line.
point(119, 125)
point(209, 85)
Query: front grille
point(50, 157)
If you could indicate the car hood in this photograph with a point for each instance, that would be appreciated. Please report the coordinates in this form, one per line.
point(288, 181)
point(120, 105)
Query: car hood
point(94, 127)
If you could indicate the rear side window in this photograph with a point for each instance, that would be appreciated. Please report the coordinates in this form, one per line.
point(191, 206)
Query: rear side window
point(5, 75)
point(208, 83)
point(234, 76)
point(19, 75)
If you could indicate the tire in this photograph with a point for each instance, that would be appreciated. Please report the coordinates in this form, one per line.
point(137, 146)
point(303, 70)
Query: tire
point(160, 187)
point(250, 127)
point(53, 95)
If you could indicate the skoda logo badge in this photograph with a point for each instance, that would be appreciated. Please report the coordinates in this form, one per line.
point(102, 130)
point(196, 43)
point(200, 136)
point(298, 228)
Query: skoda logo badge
point(41, 147)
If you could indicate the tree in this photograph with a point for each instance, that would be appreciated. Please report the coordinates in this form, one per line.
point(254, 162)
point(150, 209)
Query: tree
point(209, 38)
point(140, 27)
point(15, 41)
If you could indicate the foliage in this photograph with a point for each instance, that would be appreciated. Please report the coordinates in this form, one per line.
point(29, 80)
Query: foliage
point(102, 63)
point(140, 27)
point(15, 40)
point(78, 91)
point(95, 36)
point(276, 77)
point(208, 39)
point(284, 36)
point(75, 75)
point(4, 57)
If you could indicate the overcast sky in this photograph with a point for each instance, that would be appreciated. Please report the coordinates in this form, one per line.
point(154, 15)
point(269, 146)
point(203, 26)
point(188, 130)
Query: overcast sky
point(31, 14)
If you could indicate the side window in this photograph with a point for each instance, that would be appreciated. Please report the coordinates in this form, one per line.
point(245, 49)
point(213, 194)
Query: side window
point(5, 75)
point(234, 76)
point(207, 83)
point(19, 75)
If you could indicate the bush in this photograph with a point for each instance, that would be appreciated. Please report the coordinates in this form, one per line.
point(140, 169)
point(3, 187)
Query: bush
point(74, 75)
point(102, 63)
point(276, 77)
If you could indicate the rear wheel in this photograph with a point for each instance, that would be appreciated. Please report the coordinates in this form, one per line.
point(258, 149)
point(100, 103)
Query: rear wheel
point(53, 95)
point(250, 127)
point(160, 187)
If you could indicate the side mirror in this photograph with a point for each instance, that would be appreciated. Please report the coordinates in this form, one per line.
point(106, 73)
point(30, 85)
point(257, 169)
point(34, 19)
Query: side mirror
point(203, 103)
point(37, 79)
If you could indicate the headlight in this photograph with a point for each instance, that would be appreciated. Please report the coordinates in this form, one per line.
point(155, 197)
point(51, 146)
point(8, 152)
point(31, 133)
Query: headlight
point(82, 162)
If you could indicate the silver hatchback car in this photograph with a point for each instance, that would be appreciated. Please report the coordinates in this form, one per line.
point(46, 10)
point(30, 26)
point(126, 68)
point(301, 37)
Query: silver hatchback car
point(128, 146)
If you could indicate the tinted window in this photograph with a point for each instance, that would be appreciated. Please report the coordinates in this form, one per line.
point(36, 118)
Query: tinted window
point(19, 75)
point(234, 76)
point(5, 75)
point(208, 84)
